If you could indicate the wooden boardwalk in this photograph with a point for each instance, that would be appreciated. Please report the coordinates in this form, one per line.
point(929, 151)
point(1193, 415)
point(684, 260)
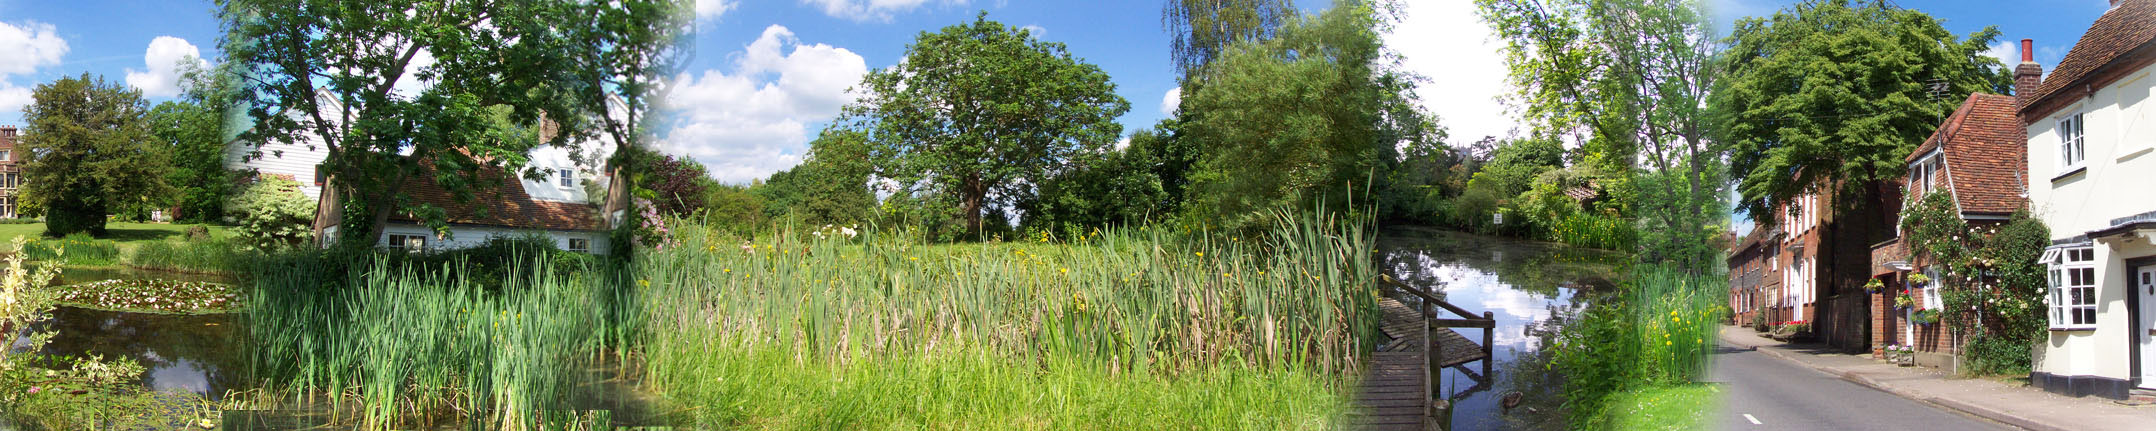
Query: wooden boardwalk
point(1395, 393)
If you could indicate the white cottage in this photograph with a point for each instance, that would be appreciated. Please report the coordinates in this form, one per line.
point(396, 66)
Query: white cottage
point(2091, 130)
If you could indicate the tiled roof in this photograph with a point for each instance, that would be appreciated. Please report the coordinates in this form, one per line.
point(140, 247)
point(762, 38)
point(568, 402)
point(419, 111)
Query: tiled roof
point(2124, 28)
point(506, 204)
point(1986, 153)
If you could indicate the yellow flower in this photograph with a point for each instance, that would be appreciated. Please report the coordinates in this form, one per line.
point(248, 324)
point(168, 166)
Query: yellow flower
point(1201, 254)
point(643, 282)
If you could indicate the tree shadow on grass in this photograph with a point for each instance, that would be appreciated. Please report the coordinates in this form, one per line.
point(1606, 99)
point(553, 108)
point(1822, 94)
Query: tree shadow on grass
point(117, 234)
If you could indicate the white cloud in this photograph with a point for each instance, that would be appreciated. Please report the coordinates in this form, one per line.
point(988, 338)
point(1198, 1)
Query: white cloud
point(12, 99)
point(1169, 102)
point(1038, 32)
point(2007, 53)
point(746, 123)
point(712, 9)
point(28, 47)
point(871, 10)
point(1446, 42)
point(162, 59)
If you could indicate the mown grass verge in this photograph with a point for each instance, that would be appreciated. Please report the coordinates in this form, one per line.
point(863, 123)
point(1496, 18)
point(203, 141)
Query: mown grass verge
point(1118, 329)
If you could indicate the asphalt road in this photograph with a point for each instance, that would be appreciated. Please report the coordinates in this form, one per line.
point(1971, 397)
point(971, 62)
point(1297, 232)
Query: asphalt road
point(1761, 392)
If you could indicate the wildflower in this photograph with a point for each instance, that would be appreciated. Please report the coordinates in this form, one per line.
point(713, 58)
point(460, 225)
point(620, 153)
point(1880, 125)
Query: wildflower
point(643, 282)
point(1201, 254)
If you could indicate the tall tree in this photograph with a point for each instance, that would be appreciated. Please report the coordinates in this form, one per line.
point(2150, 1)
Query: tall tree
point(1200, 30)
point(1832, 95)
point(191, 130)
point(396, 90)
point(976, 114)
point(1628, 79)
point(1283, 121)
point(87, 151)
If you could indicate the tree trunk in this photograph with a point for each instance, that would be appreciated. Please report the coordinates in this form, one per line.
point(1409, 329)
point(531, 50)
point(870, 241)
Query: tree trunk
point(971, 204)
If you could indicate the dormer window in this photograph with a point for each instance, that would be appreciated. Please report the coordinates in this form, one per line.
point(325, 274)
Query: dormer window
point(2071, 150)
point(1923, 174)
point(568, 178)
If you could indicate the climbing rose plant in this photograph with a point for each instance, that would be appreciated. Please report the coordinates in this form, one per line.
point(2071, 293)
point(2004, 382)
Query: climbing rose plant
point(1990, 279)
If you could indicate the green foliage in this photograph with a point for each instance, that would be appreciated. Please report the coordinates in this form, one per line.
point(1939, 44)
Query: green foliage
point(205, 255)
point(831, 187)
point(395, 342)
point(1993, 286)
point(740, 334)
point(87, 153)
point(75, 249)
point(1834, 94)
point(272, 213)
point(1117, 188)
point(1655, 332)
point(191, 130)
point(1202, 30)
point(1311, 115)
point(1030, 108)
point(735, 209)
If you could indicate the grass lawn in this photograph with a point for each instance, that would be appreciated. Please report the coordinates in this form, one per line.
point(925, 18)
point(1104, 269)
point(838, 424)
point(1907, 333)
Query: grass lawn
point(126, 235)
point(1677, 407)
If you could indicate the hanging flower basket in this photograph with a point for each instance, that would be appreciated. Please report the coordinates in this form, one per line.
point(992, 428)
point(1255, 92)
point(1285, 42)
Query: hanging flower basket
point(1925, 317)
point(1918, 279)
point(1874, 286)
point(1903, 301)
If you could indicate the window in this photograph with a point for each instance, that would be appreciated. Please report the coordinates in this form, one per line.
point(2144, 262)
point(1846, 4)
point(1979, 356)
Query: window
point(580, 245)
point(2071, 150)
point(7, 155)
point(2073, 289)
point(1931, 292)
point(568, 178)
point(409, 243)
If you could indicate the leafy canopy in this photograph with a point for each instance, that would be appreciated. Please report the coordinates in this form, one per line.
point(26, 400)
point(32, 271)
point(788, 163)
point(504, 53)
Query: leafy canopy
point(87, 151)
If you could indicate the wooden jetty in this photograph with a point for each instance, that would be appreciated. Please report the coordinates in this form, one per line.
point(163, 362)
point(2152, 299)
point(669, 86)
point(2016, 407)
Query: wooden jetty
point(1400, 388)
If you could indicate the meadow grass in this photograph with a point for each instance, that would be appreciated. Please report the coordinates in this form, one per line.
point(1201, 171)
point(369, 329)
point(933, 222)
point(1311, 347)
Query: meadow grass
point(213, 256)
point(1114, 329)
point(391, 342)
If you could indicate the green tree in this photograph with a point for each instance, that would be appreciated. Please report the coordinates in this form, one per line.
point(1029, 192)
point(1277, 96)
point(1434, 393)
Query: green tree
point(1113, 188)
point(831, 187)
point(1832, 95)
point(1200, 30)
point(87, 151)
point(476, 78)
point(191, 129)
point(975, 114)
point(272, 213)
point(1628, 79)
point(1299, 118)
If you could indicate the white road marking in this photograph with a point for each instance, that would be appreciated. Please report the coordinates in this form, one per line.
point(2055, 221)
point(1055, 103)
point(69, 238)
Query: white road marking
point(1755, 421)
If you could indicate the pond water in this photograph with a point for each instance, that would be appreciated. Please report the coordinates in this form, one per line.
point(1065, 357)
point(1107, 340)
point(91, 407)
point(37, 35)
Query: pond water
point(1530, 288)
point(190, 353)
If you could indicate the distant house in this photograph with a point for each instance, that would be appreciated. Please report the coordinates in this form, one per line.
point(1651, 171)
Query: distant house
point(10, 172)
point(1754, 279)
point(1976, 158)
point(2091, 145)
point(558, 206)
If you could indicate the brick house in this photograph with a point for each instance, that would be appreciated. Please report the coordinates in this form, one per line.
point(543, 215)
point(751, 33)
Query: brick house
point(1754, 276)
point(10, 172)
point(1976, 157)
point(2091, 145)
point(1786, 261)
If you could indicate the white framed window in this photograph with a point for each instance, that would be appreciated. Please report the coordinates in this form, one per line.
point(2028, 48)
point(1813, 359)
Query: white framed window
point(1931, 292)
point(2071, 148)
point(7, 155)
point(408, 243)
point(2073, 289)
point(580, 245)
point(568, 178)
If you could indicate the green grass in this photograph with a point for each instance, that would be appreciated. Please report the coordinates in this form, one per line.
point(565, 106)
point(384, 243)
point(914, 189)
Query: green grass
point(1657, 330)
point(1670, 407)
point(1109, 330)
point(394, 342)
point(215, 256)
point(119, 245)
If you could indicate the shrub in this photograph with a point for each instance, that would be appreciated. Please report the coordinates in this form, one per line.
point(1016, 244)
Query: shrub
point(271, 213)
point(1991, 354)
point(198, 233)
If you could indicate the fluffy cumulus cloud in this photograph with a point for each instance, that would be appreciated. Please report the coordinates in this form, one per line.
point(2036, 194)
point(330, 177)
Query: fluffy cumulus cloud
point(1445, 41)
point(1036, 30)
point(1169, 102)
point(871, 10)
point(748, 122)
point(28, 46)
point(162, 62)
point(712, 9)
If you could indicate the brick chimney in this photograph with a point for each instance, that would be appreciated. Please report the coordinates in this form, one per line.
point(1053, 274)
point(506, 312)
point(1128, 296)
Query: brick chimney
point(2028, 75)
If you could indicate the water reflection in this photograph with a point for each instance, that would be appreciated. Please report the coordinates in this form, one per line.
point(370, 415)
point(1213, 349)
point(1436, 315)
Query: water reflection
point(192, 353)
point(1530, 288)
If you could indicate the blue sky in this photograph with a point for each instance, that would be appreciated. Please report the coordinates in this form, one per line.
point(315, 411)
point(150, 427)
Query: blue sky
point(2054, 24)
point(42, 41)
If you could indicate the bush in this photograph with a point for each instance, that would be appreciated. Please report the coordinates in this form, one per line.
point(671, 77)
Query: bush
point(1990, 354)
point(198, 233)
point(272, 213)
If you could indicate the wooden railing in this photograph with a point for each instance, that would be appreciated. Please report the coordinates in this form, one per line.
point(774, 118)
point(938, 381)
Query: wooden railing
point(1434, 321)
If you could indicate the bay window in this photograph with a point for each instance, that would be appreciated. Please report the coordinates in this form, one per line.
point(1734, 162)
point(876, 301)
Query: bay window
point(2072, 297)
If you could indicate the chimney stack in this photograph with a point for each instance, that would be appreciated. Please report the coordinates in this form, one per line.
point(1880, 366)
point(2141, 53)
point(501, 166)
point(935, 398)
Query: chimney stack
point(2028, 75)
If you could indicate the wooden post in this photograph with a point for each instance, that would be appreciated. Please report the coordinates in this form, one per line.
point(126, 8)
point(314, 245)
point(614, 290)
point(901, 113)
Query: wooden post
point(1488, 334)
point(1430, 374)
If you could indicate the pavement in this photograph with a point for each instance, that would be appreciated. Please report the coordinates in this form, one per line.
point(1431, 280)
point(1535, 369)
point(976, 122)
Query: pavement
point(1786, 386)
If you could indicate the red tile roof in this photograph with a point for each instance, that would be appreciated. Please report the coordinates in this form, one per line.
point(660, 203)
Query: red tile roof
point(2125, 28)
point(506, 204)
point(1986, 153)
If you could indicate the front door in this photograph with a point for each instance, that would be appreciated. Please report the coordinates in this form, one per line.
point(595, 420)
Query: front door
point(2144, 284)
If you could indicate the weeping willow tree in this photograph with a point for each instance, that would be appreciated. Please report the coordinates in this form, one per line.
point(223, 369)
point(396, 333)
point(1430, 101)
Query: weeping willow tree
point(1202, 29)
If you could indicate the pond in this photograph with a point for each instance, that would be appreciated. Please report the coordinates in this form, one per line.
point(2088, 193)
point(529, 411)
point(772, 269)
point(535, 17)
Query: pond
point(1531, 288)
point(187, 353)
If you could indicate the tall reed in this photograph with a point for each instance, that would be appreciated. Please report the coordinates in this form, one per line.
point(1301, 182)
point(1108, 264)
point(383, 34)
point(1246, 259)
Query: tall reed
point(1150, 305)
